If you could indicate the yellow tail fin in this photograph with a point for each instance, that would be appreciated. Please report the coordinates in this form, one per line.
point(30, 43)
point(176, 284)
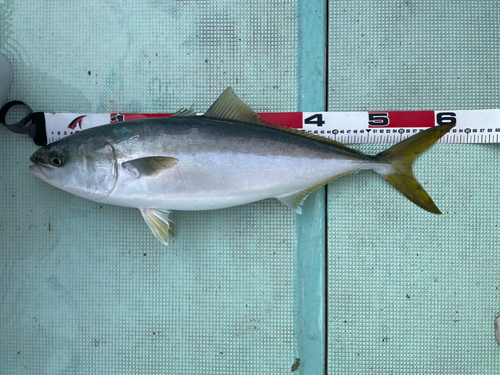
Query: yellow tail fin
point(402, 155)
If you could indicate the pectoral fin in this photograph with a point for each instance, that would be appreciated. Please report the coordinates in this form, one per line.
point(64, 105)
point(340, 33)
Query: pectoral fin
point(157, 220)
point(149, 166)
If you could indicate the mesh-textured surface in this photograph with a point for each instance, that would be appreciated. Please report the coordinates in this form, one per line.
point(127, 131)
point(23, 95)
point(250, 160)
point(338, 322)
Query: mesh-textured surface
point(86, 288)
point(411, 292)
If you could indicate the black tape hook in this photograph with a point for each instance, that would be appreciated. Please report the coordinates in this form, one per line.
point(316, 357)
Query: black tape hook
point(20, 127)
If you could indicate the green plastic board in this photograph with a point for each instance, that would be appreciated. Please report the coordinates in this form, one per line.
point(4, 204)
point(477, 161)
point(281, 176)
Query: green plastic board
point(86, 288)
point(410, 292)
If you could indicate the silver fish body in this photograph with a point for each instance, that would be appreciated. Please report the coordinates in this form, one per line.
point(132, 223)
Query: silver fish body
point(220, 163)
point(225, 158)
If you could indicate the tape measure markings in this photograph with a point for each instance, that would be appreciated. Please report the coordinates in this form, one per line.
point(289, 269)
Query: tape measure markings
point(472, 126)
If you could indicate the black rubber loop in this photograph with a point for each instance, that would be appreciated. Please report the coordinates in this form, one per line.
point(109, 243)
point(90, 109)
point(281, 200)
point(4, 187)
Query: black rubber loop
point(20, 127)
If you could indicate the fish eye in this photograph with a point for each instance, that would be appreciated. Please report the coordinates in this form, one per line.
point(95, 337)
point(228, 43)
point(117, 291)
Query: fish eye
point(56, 161)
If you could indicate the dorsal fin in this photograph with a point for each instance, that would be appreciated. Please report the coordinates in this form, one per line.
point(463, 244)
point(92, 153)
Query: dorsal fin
point(229, 107)
point(184, 113)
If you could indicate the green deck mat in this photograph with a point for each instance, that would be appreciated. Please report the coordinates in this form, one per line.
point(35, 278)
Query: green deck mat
point(410, 292)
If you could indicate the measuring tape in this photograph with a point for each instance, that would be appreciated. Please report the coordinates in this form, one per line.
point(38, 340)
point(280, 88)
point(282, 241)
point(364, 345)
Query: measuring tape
point(471, 126)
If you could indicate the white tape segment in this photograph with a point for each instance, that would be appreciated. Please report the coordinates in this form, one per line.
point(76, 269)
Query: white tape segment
point(474, 126)
point(60, 125)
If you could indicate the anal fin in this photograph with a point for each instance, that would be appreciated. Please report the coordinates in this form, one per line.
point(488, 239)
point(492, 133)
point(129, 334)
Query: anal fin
point(294, 200)
point(157, 220)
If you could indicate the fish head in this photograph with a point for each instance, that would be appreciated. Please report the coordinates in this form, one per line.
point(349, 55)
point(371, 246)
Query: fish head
point(81, 165)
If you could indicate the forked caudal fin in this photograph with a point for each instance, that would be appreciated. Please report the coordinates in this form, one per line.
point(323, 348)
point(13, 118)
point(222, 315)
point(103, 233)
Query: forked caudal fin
point(401, 157)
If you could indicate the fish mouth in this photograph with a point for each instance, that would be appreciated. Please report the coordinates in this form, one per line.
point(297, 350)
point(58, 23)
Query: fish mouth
point(43, 172)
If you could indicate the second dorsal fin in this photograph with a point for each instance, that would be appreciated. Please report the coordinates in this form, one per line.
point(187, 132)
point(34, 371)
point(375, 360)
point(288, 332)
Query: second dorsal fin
point(229, 107)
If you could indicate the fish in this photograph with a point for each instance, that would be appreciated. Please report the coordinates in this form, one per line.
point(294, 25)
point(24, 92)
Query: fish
point(229, 156)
